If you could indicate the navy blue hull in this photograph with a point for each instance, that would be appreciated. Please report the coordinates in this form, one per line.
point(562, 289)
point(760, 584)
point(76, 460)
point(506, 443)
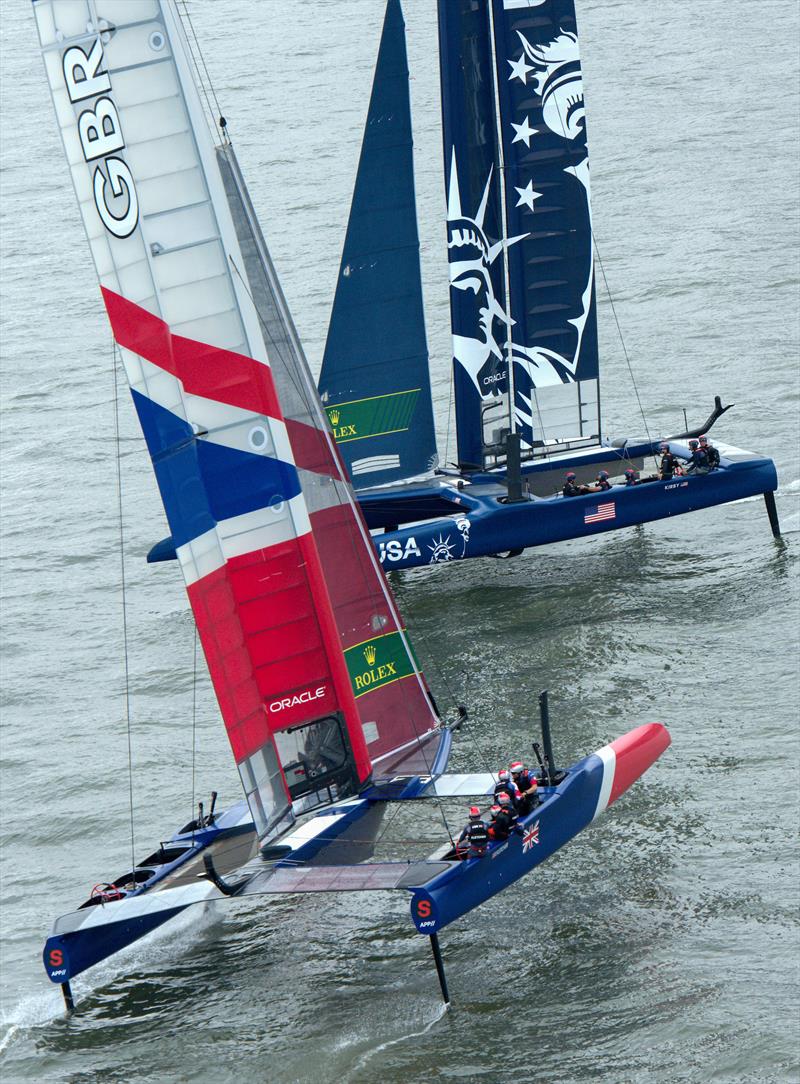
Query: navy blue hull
point(480, 524)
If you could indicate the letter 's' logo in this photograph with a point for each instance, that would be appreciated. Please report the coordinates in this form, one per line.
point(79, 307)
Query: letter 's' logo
point(370, 654)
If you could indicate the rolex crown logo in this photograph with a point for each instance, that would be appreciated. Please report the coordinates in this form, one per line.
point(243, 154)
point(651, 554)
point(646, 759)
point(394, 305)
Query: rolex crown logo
point(370, 654)
point(334, 417)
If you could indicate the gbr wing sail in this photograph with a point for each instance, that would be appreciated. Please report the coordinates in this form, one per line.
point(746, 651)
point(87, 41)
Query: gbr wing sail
point(314, 675)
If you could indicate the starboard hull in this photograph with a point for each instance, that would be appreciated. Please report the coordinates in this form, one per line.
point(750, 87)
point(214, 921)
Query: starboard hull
point(589, 788)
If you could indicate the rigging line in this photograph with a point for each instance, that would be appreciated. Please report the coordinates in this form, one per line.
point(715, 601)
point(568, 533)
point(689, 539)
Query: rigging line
point(194, 721)
point(451, 385)
point(207, 84)
point(622, 341)
point(205, 68)
point(596, 246)
point(114, 355)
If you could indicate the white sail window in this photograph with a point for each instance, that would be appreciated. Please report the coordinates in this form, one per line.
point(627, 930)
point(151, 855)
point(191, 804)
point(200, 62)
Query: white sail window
point(263, 787)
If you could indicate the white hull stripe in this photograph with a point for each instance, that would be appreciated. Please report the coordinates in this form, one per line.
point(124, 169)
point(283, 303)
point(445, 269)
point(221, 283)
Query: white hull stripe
point(609, 759)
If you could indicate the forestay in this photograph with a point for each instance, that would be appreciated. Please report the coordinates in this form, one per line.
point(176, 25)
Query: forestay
point(312, 669)
point(519, 224)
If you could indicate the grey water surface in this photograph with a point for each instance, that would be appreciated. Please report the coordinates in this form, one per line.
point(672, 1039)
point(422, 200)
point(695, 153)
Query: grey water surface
point(662, 945)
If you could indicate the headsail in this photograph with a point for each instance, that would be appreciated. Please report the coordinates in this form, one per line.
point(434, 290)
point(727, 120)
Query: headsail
point(374, 382)
point(522, 277)
point(314, 675)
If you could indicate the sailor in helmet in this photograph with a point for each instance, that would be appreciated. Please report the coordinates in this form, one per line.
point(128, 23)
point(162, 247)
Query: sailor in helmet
point(712, 455)
point(506, 785)
point(631, 477)
point(698, 460)
point(571, 488)
point(474, 838)
point(504, 820)
point(528, 786)
point(669, 464)
point(601, 483)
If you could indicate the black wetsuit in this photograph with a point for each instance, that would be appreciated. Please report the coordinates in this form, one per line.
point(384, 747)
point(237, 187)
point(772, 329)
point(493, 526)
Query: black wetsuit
point(511, 790)
point(502, 825)
point(571, 489)
point(712, 455)
point(603, 483)
point(669, 464)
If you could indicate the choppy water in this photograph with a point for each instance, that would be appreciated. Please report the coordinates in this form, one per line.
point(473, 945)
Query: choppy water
point(660, 946)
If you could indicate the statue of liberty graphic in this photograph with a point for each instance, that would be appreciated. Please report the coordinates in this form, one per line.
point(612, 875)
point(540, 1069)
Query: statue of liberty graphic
point(486, 340)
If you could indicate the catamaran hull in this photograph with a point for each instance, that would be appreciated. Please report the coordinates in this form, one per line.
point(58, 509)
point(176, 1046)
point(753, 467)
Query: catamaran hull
point(589, 788)
point(483, 526)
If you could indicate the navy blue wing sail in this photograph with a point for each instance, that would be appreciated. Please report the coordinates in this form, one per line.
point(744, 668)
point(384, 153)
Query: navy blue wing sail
point(519, 235)
point(550, 265)
point(374, 383)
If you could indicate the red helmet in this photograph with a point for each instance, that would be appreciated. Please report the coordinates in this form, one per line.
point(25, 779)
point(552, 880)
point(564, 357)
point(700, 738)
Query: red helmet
point(704, 439)
point(474, 811)
point(571, 476)
point(517, 767)
point(603, 475)
point(503, 799)
point(495, 810)
point(502, 775)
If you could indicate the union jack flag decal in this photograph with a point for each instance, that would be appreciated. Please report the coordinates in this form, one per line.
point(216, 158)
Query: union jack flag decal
point(530, 837)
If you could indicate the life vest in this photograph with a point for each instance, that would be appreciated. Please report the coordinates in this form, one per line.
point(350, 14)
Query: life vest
point(478, 835)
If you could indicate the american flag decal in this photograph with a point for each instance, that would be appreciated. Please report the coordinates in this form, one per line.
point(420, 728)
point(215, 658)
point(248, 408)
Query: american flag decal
point(530, 837)
point(603, 511)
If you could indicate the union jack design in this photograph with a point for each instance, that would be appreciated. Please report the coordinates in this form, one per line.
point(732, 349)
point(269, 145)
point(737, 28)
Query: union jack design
point(603, 511)
point(530, 837)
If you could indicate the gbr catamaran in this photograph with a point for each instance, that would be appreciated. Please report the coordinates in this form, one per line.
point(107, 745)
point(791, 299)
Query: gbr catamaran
point(526, 373)
point(326, 709)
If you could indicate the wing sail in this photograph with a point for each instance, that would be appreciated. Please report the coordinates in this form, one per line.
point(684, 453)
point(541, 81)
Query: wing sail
point(374, 381)
point(248, 473)
point(523, 306)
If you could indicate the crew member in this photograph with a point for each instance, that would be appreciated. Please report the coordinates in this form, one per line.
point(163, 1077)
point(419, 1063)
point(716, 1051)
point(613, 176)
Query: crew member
point(712, 455)
point(698, 460)
point(505, 820)
point(631, 477)
point(571, 488)
point(527, 785)
point(474, 838)
point(506, 785)
point(601, 484)
point(669, 464)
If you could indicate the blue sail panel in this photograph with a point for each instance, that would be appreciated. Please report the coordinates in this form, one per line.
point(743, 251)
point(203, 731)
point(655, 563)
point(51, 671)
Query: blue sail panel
point(474, 226)
point(374, 382)
point(547, 207)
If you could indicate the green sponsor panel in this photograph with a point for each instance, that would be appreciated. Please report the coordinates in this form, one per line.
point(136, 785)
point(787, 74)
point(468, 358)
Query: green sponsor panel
point(378, 662)
point(372, 417)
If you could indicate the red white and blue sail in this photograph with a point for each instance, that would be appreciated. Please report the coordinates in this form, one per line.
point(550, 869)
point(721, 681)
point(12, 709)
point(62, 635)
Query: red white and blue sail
point(305, 646)
point(519, 224)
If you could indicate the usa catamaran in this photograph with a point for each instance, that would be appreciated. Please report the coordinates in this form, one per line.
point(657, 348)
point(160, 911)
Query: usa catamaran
point(327, 712)
point(526, 374)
